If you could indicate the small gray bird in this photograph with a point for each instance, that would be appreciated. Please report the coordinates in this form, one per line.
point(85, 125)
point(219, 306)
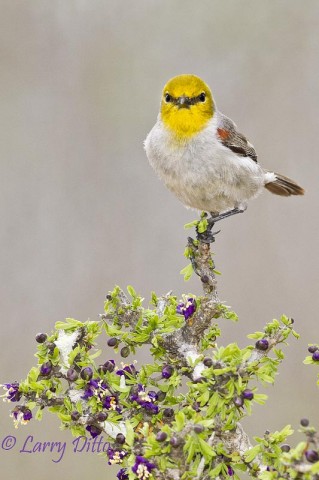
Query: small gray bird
point(202, 158)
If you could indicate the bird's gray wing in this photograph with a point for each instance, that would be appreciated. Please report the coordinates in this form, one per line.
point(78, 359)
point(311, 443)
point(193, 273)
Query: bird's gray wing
point(229, 136)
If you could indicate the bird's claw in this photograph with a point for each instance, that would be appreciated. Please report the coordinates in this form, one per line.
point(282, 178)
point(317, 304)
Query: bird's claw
point(208, 236)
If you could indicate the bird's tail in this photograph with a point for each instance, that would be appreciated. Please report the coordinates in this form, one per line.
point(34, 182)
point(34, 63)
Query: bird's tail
point(280, 185)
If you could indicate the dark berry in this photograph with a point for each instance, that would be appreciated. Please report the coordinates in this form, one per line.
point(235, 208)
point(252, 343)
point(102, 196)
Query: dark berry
point(101, 416)
point(51, 347)
point(161, 436)
point(238, 401)
point(248, 394)
point(161, 396)
point(41, 337)
point(204, 278)
point(101, 369)
point(125, 351)
point(262, 344)
point(112, 342)
point(46, 368)
point(168, 412)
point(120, 438)
point(94, 430)
point(196, 406)
point(304, 422)
point(167, 371)
point(75, 416)
point(108, 297)
point(312, 456)
point(87, 373)
point(315, 356)
point(175, 442)
point(72, 374)
point(110, 365)
point(208, 362)
point(312, 348)
point(198, 428)
point(285, 447)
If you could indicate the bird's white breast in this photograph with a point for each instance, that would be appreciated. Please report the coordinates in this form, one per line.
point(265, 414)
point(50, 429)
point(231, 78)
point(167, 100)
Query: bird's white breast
point(200, 171)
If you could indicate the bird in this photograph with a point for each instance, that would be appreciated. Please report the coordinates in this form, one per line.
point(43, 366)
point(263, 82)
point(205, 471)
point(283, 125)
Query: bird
point(202, 158)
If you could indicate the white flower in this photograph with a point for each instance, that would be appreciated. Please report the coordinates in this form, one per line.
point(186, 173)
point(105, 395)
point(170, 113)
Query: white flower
point(65, 343)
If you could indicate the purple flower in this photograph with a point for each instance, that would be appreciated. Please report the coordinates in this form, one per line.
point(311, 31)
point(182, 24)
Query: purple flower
point(247, 394)
point(110, 402)
point(142, 467)
point(115, 456)
point(122, 475)
point(127, 370)
point(145, 399)
point(187, 309)
point(167, 371)
point(94, 430)
point(21, 415)
point(27, 415)
point(230, 471)
point(46, 368)
point(12, 393)
point(94, 387)
point(91, 388)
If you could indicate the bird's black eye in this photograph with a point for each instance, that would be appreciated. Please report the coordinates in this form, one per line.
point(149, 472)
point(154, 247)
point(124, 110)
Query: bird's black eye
point(168, 98)
point(202, 97)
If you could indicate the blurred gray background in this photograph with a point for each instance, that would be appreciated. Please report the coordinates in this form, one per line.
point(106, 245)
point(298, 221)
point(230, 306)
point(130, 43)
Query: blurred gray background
point(81, 209)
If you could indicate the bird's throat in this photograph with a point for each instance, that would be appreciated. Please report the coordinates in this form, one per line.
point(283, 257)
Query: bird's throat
point(185, 123)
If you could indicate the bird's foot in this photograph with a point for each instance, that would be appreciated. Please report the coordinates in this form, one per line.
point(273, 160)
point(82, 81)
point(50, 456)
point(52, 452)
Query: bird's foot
point(207, 236)
point(216, 218)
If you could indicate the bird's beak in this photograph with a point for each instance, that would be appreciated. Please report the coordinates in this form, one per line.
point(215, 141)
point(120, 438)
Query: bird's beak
point(183, 102)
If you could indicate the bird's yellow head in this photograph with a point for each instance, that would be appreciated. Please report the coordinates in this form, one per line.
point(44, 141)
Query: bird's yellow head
point(187, 105)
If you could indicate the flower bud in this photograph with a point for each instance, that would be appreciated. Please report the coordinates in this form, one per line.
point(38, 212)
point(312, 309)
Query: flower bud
point(86, 373)
point(72, 374)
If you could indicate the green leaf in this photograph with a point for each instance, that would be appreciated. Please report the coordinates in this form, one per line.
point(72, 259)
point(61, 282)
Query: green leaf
point(131, 291)
point(215, 471)
point(187, 272)
point(96, 354)
point(39, 414)
point(191, 451)
point(69, 324)
point(308, 361)
point(129, 437)
point(206, 449)
point(260, 398)
point(252, 453)
point(191, 224)
point(267, 475)
point(180, 421)
point(202, 225)
point(256, 335)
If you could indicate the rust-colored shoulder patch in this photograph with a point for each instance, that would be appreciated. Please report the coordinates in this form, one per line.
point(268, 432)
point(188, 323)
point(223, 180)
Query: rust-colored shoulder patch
point(223, 134)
